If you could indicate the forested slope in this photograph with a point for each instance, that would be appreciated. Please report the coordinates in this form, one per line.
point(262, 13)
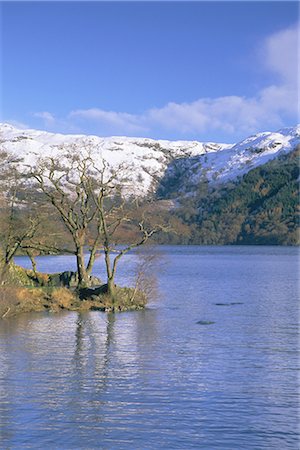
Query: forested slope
point(262, 208)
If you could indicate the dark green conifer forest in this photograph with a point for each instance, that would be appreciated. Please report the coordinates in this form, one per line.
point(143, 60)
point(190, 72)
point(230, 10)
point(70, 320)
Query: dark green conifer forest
point(260, 209)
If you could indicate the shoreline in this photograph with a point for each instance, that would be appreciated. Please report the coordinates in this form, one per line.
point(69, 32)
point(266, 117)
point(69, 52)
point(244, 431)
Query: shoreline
point(19, 300)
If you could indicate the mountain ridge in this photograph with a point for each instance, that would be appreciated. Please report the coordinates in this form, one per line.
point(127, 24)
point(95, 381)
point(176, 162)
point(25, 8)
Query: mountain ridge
point(215, 162)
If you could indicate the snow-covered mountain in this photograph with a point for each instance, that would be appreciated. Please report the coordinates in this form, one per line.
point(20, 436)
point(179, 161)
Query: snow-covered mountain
point(149, 158)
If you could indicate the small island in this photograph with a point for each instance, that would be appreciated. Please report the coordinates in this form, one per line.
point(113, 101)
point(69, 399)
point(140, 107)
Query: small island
point(29, 291)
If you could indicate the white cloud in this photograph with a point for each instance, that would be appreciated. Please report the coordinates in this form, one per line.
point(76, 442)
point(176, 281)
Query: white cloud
point(110, 119)
point(281, 55)
point(232, 113)
point(229, 115)
point(48, 118)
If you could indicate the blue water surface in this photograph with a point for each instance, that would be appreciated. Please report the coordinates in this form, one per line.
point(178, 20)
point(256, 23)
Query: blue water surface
point(211, 363)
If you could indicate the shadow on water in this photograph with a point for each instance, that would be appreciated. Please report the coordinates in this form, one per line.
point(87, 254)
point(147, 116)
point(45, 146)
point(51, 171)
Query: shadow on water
point(229, 304)
point(205, 322)
point(94, 337)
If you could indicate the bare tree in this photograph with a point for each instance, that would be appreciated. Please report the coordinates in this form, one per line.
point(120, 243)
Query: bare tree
point(19, 218)
point(145, 270)
point(119, 206)
point(97, 204)
point(65, 182)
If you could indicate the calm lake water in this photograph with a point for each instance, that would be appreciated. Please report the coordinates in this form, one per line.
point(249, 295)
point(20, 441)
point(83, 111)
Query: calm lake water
point(210, 364)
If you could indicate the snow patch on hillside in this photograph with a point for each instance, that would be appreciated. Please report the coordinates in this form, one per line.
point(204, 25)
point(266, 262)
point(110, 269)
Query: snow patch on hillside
point(150, 159)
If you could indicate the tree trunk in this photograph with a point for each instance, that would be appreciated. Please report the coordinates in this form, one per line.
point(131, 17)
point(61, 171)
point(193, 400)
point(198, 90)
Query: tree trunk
point(111, 287)
point(111, 290)
point(33, 263)
point(91, 262)
point(83, 278)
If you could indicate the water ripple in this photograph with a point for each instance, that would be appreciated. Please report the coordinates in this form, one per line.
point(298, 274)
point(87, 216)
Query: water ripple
point(159, 378)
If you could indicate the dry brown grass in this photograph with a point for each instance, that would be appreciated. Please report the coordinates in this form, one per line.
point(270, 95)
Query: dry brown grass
point(63, 298)
point(15, 300)
point(43, 278)
point(33, 295)
point(30, 300)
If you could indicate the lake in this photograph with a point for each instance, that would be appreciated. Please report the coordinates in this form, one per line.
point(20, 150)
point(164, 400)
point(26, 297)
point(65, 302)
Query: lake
point(211, 363)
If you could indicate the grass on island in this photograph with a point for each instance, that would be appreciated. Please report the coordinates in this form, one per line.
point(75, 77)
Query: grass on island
point(28, 292)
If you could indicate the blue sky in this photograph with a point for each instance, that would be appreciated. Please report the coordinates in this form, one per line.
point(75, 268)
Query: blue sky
point(171, 70)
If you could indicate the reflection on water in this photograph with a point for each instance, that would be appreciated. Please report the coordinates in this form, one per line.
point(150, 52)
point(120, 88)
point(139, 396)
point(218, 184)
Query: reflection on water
point(159, 378)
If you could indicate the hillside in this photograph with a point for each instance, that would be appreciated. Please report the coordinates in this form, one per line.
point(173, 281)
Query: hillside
point(244, 193)
point(262, 208)
point(160, 164)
